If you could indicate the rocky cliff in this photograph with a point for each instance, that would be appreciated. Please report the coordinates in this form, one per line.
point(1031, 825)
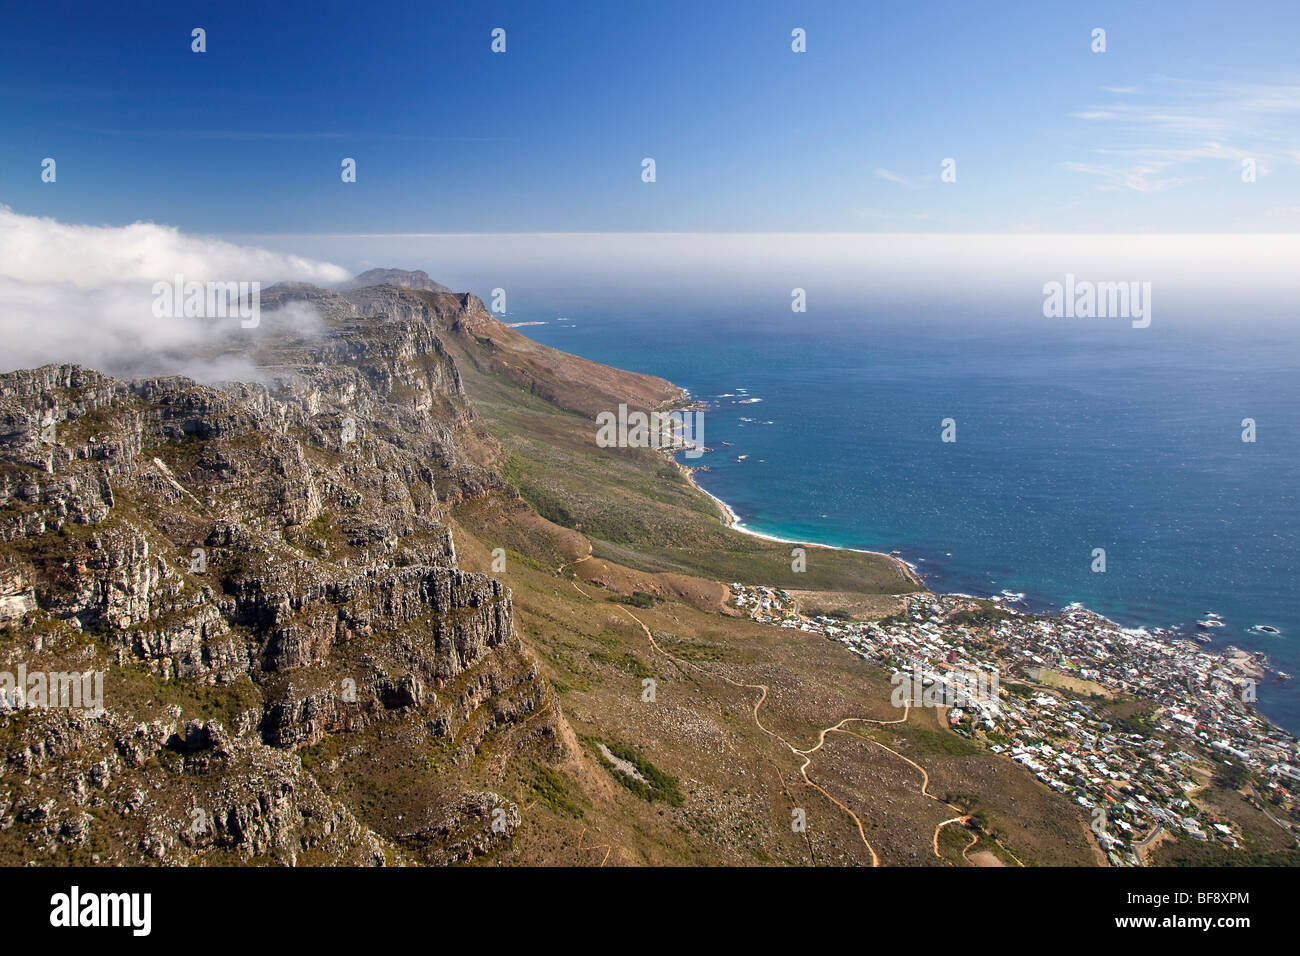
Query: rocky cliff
point(265, 576)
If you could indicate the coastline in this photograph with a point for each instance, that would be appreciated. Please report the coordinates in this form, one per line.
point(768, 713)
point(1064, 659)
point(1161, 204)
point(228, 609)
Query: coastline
point(1257, 662)
point(732, 520)
point(1248, 661)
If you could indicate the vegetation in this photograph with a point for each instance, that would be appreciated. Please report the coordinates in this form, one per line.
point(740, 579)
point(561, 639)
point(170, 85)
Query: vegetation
point(988, 614)
point(636, 508)
point(624, 662)
point(1232, 775)
point(944, 742)
point(550, 788)
point(656, 784)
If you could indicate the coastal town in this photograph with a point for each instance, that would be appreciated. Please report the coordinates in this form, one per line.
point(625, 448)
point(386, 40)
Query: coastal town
point(1035, 689)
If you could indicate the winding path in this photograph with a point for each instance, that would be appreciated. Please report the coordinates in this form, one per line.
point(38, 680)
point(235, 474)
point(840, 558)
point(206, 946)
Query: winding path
point(599, 846)
point(762, 696)
point(821, 737)
point(962, 820)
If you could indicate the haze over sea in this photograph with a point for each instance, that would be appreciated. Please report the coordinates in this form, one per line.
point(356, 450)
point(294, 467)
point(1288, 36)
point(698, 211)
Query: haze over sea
point(1071, 434)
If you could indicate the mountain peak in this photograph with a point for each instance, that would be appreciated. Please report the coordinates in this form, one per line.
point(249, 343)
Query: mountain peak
point(406, 278)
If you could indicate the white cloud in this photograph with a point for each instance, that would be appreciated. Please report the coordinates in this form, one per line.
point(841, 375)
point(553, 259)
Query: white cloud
point(907, 182)
point(1175, 132)
point(84, 294)
point(1142, 177)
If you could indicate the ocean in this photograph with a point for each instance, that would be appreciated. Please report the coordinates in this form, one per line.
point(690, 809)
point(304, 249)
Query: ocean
point(1070, 436)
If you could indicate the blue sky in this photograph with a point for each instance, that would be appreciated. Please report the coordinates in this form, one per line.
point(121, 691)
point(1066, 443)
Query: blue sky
point(247, 138)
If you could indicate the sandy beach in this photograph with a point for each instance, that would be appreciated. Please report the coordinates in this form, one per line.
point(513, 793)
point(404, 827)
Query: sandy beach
point(732, 520)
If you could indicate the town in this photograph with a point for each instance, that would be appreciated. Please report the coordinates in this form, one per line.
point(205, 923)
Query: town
point(1137, 777)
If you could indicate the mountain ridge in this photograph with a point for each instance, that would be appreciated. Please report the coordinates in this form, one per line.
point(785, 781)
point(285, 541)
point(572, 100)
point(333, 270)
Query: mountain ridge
point(389, 603)
point(405, 278)
point(283, 541)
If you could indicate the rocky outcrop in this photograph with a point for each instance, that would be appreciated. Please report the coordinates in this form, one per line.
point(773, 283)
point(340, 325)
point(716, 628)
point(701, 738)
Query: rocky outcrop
point(276, 552)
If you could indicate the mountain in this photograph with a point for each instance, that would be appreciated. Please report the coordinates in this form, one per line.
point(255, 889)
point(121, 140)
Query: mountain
point(389, 603)
point(378, 607)
point(295, 665)
point(403, 278)
point(256, 570)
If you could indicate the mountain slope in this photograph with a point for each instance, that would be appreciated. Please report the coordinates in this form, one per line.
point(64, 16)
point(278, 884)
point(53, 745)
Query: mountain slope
point(388, 654)
point(256, 569)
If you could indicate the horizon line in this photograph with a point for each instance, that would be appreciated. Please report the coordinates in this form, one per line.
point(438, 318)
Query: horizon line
point(824, 235)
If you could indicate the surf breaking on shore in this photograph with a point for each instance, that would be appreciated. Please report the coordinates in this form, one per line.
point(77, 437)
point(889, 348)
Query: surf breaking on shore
point(912, 573)
point(1251, 664)
point(733, 521)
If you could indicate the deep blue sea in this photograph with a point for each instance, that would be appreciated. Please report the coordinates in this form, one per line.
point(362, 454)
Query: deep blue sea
point(1070, 437)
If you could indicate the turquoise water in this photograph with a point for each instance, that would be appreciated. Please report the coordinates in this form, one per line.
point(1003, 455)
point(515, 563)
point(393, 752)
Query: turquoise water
point(1070, 437)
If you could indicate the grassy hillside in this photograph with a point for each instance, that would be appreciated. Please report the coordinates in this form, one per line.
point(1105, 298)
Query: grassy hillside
point(738, 784)
point(615, 562)
point(634, 506)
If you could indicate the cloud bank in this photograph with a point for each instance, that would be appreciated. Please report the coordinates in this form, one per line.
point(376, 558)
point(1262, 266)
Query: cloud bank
point(85, 294)
point(1244, 279)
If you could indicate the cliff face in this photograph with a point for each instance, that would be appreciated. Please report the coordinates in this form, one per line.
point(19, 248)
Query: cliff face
point(256, 569)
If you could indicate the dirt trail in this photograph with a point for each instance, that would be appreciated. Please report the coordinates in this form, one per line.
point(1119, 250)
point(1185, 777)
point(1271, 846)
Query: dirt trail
point(821, 738)
point(961, 819)
point(585, 557)
point(599, 846)
point(762, 696)
point(925, 777)
point(925, 782)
